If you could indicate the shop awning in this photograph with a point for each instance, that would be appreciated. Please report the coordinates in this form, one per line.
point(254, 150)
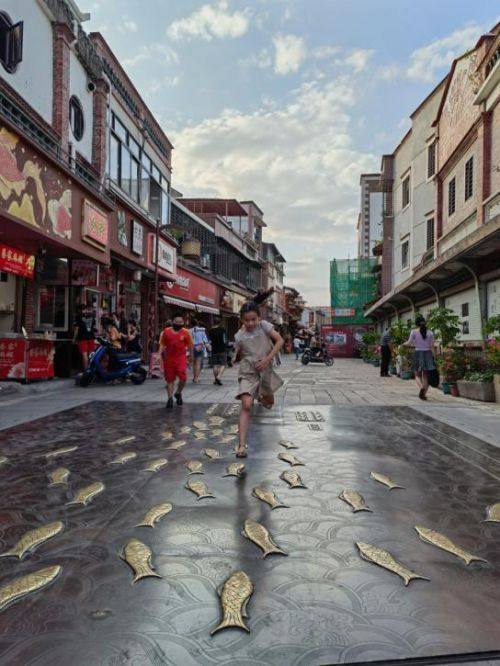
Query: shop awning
point(207, 309)
point(179, 302)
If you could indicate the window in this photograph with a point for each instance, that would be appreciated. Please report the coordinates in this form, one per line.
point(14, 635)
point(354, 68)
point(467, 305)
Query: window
point(11, 43)
point(431, 159)
point(465, 309)
point(465, 327)
point(405, 247)
point(406, 191)
point(429, 241)
point(52, 307)
point(165, 210)
point(114, 159)
point(76, 118)
point(469, 178)
point(135, 174)
point(451, 196)
point(125, 170)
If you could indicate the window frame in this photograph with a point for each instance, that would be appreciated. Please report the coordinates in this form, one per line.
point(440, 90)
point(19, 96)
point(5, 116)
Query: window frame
point(405, 245)
point(452, 207)
point(76, 114)
point(469, 178)
point(431, 159)
point(405, 190)
point(66, 306)
point(430, 224)
point(11, 43)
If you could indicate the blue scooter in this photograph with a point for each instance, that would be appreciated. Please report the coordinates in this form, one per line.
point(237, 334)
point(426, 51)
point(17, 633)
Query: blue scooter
point(107, 363)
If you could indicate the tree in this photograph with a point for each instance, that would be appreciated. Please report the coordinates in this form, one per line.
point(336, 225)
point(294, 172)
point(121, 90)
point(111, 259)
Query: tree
point(444, 323)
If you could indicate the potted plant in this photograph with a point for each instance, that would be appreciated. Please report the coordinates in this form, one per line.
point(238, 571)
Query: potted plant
point(405, 358)
point(477, 386)
point(492, 331)
point(451, 364)
point(400, 332)
point(444, 324)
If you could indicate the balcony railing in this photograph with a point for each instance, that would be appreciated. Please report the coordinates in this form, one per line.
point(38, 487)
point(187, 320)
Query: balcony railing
point(48, 144)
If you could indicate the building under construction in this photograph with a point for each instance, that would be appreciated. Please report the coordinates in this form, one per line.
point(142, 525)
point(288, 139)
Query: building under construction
point(353, 284)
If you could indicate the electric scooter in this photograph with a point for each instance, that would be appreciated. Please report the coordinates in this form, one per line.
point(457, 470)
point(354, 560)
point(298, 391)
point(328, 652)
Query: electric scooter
point(108, 363)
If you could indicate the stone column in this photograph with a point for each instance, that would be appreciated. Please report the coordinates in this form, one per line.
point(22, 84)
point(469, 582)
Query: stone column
point(62, 39)
point(99, 135)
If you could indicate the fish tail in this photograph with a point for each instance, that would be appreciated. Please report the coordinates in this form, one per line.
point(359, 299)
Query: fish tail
point(362, 508)
point(275, 550)
point(145, 573)
point(231, 619)
point(413, 576)
point(9, 553)
point(473, 558)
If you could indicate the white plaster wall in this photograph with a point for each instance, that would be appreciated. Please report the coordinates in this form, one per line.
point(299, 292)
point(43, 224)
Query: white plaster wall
point(493, 297)
point(463, 209)
point(402, 217)
point(455, 301)
point(425, 309)
point(78, 80)
point(495, 150)
point(33, 78)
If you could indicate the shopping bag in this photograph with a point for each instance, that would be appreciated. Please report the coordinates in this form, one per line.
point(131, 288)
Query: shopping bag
point(433, 377)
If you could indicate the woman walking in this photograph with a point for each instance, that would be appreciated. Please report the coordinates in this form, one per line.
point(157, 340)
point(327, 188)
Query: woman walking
point(201, 345)
point(256, 345)
point(423, 341)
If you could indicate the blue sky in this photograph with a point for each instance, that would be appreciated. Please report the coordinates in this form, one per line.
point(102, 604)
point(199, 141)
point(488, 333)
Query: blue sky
point(286, 102)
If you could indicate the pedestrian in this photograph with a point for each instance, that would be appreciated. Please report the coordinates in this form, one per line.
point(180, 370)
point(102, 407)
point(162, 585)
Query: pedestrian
point(133, 338)
point(218, 346)
point(422, 340)
point(84, 335)
point(200, 341)
point(256, 345)
point(176, 345)
point(296, 346)
point(385, 352)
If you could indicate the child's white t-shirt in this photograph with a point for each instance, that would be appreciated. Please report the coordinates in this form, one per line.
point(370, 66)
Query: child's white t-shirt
point(263, 326)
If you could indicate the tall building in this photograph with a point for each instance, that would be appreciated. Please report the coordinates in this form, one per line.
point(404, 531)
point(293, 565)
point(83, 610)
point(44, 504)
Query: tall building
point(369, 227)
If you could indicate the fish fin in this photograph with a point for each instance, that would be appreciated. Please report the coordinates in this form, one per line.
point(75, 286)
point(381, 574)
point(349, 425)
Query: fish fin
point(413, 576)
point(244, 608)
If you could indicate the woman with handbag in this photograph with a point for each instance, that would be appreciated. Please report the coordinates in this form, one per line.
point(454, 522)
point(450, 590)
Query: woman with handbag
point(423, 341)
point(201, 345)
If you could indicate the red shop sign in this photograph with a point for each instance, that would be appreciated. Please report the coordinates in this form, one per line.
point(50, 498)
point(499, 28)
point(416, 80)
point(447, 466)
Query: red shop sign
point(16, 262)
point(191, 287)
point(94, 226)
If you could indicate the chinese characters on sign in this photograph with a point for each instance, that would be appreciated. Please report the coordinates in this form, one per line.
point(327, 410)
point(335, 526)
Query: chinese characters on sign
point(137, 237)
point(16, 262)
point(122, 229)
point(343, 312)
point(94, 226)
point(166, 254)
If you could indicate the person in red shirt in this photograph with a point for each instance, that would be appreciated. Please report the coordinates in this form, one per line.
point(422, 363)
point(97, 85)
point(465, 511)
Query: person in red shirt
point(176, 347)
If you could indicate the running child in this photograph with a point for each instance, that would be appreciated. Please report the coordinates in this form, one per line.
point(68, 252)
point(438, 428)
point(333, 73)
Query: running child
point(256, 345)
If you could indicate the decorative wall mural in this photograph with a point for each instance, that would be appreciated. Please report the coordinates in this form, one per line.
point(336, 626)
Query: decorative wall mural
point(32, 191)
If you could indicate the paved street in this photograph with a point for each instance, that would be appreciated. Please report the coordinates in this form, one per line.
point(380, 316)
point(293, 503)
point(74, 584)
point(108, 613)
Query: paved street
point(320, 604)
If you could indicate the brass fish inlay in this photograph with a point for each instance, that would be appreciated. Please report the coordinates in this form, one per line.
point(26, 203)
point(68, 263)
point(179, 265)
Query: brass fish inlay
point(200, 425)
point(227, 439)
point(216, 420)
point(59, 476)
point(3, 460)
point(86, 495)
point(123, 458)
point(19, 587)
point(493, 513)
point(354, 499)
point(167, 435)
point(290, 459)
point(261, 537)
point(213, 454)
point(216, 432)
point(124, 440)
point(234, 429)
point(385, 480)
point(34, 538)
point(234, 469)
point(293, 479)
point(287, 444)
point(442, 541)
point(185, 429)
point(199, 488)
point(156, 465)
point(178, 444)
point(234, 597)
point(195, 467)
point(60, 452)
point(155, 514)
point(138, 556)
point(199, 435)
point(385, 560)
point(267, 496)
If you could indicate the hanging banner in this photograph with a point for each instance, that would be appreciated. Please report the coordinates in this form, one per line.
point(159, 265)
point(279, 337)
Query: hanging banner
point(16, 262)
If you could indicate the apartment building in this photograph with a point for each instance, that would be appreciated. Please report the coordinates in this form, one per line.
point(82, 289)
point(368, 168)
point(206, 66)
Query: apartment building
point(369, 227)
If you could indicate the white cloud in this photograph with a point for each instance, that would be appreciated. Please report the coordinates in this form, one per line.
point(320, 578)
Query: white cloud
point(358, 59)
point(297, 161)
point(289, 53)
point(389, 72)
point(210, 21)
point(128, 26)
point(427, 61)
point(157, 51)
point(325, 52)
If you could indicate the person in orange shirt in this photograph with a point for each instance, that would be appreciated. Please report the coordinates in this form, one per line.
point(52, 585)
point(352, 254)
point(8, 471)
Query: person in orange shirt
point(176, 349)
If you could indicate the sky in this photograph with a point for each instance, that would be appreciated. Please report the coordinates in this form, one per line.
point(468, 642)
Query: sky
point(287, 102)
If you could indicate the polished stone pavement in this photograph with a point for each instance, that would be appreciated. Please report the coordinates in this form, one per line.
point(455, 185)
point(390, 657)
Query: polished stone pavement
point(320, 605)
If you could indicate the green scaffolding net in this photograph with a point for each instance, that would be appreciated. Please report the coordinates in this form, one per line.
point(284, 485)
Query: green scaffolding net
point(353, 284)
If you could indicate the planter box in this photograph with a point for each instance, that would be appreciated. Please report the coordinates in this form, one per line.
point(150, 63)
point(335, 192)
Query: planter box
point(476, 390)
point(496, 384)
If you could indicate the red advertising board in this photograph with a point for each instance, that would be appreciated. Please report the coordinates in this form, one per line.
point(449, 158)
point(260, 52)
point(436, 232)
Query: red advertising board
point(16, 262)
point(94, 226)
point(26, 359)
point(191, 287)
point(342, 341)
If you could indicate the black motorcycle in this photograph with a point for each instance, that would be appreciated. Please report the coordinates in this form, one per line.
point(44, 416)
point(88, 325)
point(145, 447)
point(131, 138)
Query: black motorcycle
point(316, 356)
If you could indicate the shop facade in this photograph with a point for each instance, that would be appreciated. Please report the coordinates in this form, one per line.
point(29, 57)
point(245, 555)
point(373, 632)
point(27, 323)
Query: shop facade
point(195, 296)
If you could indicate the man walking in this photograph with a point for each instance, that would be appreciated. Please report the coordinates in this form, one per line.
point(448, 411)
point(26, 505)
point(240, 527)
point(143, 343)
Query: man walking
point(176, 346)
point(296, 346)
point(218, 344)
point(385, 352)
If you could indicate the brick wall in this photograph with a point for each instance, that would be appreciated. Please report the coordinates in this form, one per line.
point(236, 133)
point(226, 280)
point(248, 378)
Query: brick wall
point(99, 128)
point(62, 38)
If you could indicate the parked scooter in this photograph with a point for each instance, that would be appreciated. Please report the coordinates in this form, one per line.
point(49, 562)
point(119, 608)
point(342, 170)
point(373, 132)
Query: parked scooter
point(316, 355)
point(108, 363)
